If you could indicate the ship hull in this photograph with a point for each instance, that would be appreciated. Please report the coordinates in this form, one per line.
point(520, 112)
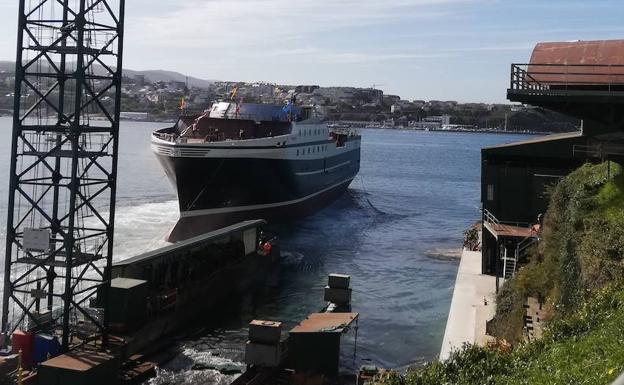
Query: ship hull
point(220, 187)
point(282, 212)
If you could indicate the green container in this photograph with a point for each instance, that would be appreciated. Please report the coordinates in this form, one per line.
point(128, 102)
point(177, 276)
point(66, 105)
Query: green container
point(127, 303)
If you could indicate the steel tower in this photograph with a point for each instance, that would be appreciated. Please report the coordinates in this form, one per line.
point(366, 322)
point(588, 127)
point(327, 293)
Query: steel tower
point(63, 171)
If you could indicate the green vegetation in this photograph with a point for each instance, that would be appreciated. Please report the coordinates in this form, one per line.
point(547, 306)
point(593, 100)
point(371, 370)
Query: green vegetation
point(577, 270)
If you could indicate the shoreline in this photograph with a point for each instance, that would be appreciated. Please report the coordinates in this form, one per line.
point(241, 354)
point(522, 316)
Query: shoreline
point(475, 131)
point(473, 303)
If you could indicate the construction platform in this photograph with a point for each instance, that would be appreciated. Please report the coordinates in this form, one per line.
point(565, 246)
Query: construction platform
point(153, 299)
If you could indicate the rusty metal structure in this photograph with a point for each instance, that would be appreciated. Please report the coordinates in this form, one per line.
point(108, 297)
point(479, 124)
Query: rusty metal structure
point(63, 170)
point(584, 79)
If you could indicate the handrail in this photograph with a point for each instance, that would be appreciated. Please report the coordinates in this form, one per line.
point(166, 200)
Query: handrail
point(538, 76)
point(523, 245)
point(488, 217)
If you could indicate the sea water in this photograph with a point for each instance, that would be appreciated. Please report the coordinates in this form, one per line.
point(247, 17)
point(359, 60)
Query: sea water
point(397, 232)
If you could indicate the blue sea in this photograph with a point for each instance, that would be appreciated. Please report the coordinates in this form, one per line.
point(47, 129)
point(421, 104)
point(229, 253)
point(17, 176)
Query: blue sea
point(397, 232)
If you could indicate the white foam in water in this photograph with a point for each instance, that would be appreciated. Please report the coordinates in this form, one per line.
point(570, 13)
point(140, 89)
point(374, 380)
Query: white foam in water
point(195, 365)
point(143, 228)
point(191, 377)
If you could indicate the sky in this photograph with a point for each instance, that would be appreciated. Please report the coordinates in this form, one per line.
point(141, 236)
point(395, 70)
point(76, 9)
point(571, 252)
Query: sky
point(418, 49)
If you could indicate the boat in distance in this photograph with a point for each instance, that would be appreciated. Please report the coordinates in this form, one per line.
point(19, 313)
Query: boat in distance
point(238, 161)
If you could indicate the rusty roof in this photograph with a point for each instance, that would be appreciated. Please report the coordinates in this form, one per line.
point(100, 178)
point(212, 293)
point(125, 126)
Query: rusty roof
point(509, 231)
point(81, 361)
point(326, 323)
point(578, 62)
point(595, 52)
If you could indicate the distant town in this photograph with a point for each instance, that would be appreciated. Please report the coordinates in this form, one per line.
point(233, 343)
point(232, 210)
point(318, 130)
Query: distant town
point(158, 95)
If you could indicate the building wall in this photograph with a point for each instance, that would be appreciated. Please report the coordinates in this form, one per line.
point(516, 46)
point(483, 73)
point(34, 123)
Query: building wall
point(515, 181)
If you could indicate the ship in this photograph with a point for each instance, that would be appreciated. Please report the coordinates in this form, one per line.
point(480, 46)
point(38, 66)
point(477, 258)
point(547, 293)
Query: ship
point(240, 161)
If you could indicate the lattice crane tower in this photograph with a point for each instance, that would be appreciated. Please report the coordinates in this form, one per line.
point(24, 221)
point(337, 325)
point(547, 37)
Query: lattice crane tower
point(63, 171)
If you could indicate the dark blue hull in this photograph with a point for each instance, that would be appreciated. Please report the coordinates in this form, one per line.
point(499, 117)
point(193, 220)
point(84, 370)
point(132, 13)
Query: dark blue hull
point(214, 192)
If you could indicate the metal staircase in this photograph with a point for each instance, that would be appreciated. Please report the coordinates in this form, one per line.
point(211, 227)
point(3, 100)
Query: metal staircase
point(510, 264)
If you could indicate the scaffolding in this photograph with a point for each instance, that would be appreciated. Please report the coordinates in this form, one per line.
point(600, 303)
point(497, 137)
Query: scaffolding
point(63, 171)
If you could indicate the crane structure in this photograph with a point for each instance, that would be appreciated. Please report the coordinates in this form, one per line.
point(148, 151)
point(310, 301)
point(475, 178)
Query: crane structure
point(63, 169)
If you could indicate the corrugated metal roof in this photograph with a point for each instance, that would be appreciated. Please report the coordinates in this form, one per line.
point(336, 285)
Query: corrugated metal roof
point(578, 62)
point(601, 52)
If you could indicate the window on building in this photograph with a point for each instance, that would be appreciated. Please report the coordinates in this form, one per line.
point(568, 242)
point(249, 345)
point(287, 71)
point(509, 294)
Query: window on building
point(490, 192)
point(297, 152)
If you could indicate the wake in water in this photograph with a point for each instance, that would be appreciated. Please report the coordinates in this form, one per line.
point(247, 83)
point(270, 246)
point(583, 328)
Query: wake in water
point(364, 204)
point(142, 228)
point(201, 363)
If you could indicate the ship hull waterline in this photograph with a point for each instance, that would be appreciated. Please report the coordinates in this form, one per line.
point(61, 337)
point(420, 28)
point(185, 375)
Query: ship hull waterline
point(188, 226)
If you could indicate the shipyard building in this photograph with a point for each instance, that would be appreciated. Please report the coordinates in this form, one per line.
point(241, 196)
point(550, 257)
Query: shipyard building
point(583, 79)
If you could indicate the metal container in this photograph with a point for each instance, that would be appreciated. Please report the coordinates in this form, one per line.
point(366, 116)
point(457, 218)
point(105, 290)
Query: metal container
point(265, 332)
point(339, 281)
point(46, 346)
point(79, 368)
point(338, 296)
point(128, 303)
point(263, 355)
point(24, 341)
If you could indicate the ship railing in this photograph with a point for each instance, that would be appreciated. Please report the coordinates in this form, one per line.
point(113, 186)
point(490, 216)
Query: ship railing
point(169, 137)
point(257, 117)
point(567, 77)
point(344, 131)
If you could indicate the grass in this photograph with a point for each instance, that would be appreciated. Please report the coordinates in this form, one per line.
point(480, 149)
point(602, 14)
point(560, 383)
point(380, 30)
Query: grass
point(578, 269)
